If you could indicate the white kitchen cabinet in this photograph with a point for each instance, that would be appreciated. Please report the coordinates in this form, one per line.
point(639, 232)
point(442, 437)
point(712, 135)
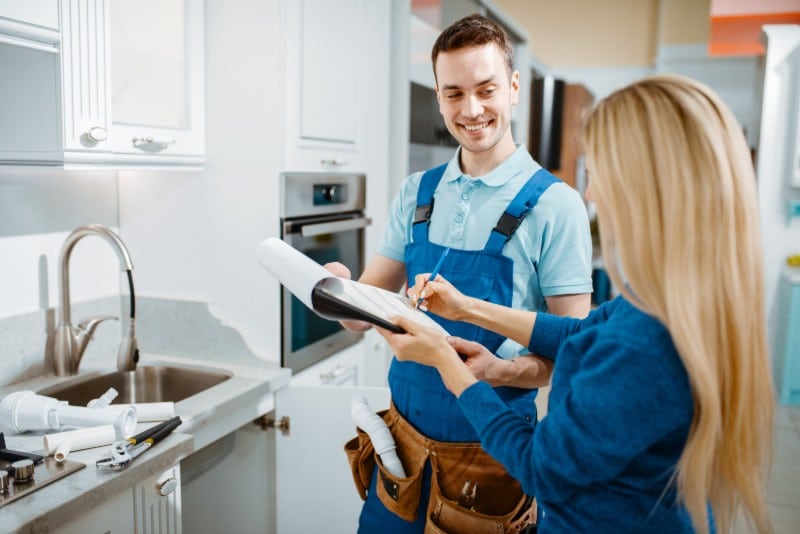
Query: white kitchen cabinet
point(328, 55)
point(29, 96)
point(42, 13)
point(112, 516)
point(157, 82)
point(118, 83)
point(157, 503)
point(152, 506)
point(311, 469)
point(228, 484)
point(84, 85)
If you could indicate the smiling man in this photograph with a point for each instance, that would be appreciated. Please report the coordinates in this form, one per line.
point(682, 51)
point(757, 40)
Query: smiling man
point(516, 236)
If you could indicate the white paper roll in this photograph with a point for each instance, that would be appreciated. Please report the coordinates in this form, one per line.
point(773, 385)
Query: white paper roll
point(83, 438)
point(296, 271)
point(148, 411)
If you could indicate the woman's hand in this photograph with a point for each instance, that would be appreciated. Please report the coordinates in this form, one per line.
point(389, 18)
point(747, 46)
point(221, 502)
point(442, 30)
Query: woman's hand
point(428, 346)
point(439, 296)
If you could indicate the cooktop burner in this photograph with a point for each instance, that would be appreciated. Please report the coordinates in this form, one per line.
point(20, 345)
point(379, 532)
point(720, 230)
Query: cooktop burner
point(44, 473)
point(22, 473)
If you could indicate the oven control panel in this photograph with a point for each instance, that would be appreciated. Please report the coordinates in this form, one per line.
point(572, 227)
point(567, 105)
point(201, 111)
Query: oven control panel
point(330, 194)
point(314, 194)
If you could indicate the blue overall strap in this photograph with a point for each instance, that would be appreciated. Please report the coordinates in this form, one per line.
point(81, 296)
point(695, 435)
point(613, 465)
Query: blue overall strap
point(519, 207)
point(422, 215)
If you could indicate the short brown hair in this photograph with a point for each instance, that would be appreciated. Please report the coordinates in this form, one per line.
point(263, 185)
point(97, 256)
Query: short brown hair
point(473, 30)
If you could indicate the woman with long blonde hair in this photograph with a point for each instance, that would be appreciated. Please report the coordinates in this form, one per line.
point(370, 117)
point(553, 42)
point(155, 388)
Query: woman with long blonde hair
point(660, 414)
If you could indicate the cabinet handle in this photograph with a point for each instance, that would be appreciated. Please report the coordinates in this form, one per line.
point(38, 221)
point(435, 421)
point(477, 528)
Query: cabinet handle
point(167, 486)
point(333, 162)
point(152, 144)
point(96, 134)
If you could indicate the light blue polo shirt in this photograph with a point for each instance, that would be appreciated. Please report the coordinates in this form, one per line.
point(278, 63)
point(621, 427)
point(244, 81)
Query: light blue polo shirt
point(551, 249)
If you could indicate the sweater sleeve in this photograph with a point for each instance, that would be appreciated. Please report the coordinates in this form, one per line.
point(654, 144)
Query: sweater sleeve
point(550, 331)
point(621, 402)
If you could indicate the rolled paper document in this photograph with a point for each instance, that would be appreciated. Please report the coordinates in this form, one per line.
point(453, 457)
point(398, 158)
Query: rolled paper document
point(78, 440)
point(148, 411)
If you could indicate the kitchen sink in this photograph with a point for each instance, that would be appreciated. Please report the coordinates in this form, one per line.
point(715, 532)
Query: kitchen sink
point(145, 384)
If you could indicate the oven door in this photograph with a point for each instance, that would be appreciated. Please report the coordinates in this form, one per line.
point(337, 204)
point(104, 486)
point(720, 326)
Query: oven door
point(307, 338)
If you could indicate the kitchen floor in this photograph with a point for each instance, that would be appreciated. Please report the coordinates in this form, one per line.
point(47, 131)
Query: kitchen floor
point(783, 493)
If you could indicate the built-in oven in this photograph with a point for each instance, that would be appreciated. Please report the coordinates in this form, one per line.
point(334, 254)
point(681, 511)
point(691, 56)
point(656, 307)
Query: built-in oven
point(322, 216)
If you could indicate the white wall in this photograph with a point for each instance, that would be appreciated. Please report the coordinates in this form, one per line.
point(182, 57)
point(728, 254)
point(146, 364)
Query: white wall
point(38, 209)
point(195, 234)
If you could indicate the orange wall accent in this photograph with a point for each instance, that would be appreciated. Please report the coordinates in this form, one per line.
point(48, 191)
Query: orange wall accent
point(740, 35)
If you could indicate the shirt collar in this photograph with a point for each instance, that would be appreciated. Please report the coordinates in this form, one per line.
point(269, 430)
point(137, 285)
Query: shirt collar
point(519, 161)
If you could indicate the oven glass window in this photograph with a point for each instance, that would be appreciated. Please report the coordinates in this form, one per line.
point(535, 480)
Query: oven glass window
point(308, 327)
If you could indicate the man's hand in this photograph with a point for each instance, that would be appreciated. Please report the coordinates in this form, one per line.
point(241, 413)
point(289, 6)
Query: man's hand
point(341, 270)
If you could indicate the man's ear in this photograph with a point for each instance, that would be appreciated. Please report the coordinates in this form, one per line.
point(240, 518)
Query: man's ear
point(515, 88)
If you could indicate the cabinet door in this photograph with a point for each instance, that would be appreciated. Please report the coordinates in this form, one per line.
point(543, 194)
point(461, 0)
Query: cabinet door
point(38, 12)
point(113, 516)
point(84, 68)
point(157, 503)
point(157, 81)
point(326, 76)
point(311, 468)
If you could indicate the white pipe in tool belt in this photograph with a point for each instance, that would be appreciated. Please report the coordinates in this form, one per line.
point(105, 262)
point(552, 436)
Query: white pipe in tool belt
point(379, 433)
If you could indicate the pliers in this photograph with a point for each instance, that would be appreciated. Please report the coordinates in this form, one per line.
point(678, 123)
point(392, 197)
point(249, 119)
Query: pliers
point(125, 451)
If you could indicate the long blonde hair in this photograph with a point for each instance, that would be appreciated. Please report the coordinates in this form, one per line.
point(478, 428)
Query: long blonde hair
point(675, 191)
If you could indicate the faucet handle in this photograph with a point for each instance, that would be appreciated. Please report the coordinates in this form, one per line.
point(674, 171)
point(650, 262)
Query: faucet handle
point(88, 325)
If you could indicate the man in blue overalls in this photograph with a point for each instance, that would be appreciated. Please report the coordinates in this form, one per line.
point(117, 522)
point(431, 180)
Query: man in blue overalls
point(517, 236)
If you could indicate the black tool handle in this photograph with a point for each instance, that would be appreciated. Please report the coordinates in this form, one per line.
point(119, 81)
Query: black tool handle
point(165, 429)
point(150, 432)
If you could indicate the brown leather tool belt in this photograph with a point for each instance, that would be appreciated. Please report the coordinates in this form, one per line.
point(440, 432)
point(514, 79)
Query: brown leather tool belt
point(470, 491)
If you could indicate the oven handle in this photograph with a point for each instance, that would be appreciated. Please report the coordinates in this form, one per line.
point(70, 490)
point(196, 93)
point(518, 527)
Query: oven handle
point(310, 230)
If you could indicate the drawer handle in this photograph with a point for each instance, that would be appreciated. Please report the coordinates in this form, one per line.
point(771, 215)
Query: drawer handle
point(152, 144)
point(333, 162)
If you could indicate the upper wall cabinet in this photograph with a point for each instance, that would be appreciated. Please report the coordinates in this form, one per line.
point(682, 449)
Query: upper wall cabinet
point(29, 97)
point(106, 82)
point(157, 81)
point(326, 70)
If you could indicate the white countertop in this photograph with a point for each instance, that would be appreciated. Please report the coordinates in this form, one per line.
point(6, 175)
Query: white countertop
point(205, 417)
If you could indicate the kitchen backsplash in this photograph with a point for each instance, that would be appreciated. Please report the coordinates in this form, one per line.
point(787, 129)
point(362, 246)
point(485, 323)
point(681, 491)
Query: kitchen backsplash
point(168, 327)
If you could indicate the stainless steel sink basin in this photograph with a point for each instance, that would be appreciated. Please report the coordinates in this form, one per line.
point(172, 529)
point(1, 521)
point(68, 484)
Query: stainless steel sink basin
point(145, 384)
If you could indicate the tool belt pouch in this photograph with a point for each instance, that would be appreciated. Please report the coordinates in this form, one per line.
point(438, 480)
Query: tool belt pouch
point(471, 492)
point(401, 495)
point(360, 454)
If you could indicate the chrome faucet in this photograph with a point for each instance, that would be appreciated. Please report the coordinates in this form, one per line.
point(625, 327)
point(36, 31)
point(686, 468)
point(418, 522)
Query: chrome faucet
point(70, 344)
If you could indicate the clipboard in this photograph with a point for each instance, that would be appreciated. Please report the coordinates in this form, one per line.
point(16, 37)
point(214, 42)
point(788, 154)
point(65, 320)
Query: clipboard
point(335, 298)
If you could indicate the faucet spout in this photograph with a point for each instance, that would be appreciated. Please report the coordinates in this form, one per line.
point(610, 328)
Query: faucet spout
point(70, 343)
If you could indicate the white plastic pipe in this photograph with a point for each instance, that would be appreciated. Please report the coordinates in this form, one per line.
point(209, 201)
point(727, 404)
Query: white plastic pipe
point(124, 421)
point(25, 410)
point(104, 400)
point(379, 433)
point(61, 452)
point(148, 411)
point(78, 440)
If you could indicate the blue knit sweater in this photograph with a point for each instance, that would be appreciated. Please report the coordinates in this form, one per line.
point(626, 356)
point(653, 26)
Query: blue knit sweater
point(618, 418)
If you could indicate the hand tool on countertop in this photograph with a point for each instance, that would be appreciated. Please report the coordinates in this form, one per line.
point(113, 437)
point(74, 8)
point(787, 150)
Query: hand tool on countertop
point(125, 451)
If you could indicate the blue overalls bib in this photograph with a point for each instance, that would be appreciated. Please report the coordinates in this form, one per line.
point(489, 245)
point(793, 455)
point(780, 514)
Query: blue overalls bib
point(417, 390)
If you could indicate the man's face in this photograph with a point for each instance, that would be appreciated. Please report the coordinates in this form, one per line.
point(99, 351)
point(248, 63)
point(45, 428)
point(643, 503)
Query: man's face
point(475, 95)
